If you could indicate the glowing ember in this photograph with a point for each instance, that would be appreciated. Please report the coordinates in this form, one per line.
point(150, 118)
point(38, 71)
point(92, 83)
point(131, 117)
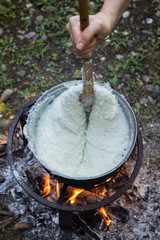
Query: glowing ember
point(108, 179)
point(104, 182)
point(57, 187)
point(47, 186)
point(105, 216)
point(76, 192)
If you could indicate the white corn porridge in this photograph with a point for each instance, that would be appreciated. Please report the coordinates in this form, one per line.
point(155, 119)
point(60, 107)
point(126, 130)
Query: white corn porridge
point(67, 145)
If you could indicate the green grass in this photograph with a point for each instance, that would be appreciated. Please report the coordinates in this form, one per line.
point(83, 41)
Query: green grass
point(5, 110)
point(152, 116)
point(137, 109)
point(158, 31)
point(155, 80)
point(6, 9)
point(117, 41)
point(7, 46)
point(36, 50)
point(45, 3)
point(133, 63)
point(129, 65)
point(6, 83)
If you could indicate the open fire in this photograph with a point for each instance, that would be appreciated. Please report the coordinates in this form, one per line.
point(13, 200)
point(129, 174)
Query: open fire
point(105, 216)
point(47, 186)
point(74, 193)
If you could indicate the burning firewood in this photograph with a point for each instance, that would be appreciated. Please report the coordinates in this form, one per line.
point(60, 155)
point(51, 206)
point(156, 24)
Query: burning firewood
point(82, 197)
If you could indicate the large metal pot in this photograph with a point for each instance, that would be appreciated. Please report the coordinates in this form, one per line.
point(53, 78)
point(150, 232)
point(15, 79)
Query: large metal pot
point(47, 98)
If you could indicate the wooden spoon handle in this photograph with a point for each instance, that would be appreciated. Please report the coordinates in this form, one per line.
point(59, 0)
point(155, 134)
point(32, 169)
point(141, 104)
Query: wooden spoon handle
point(84, 14)
point(87, 96)
point(87, 76)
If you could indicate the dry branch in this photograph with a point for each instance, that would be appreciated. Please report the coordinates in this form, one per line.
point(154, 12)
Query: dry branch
point(8, 221)
point(6, 213)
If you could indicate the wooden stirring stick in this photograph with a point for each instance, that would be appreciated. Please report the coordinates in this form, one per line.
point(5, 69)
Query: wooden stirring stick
point(87, 96)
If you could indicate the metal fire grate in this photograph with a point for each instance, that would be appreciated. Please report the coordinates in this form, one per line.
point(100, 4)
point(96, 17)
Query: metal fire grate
point(66, 211)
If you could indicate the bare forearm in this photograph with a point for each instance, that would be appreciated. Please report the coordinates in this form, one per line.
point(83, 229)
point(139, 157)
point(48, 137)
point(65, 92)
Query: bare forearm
point(114, 9)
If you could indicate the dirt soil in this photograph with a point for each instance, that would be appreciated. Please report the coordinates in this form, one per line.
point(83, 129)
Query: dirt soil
point(36, 54)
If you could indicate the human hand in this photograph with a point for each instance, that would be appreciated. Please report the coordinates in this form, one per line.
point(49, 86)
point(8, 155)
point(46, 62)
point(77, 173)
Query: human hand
point(100, 25)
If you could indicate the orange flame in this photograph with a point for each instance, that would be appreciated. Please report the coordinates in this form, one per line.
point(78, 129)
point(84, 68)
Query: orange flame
point(76, 192)
point(47, 186)
point(104, 192)
point(57, 187)
point(105, 216)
